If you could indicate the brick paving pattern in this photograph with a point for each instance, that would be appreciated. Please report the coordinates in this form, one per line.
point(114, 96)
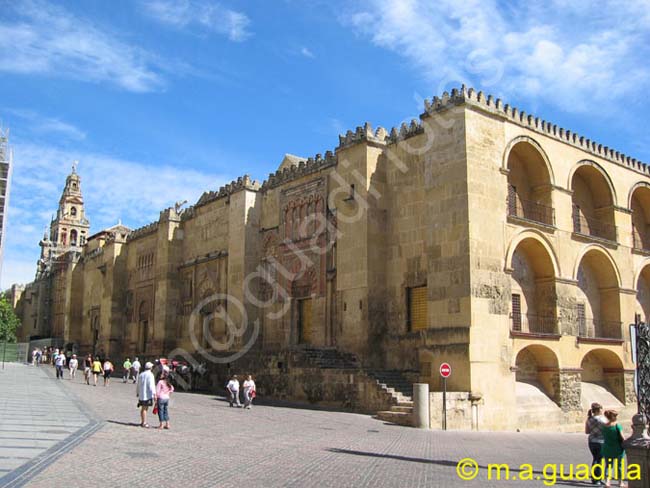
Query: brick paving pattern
point(212, 445)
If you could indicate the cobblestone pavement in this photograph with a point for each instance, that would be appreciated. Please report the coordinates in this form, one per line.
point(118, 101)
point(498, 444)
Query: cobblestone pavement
point(212, 445)
point(37, 419)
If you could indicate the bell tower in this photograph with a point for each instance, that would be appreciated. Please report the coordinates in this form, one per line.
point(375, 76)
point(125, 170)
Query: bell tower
point(69, 229)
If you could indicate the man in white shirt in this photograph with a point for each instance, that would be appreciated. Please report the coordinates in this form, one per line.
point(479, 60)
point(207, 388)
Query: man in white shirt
point(146, 393)
point(73, 364)
point(59, 362)
point(233, 391)
point(136, 369)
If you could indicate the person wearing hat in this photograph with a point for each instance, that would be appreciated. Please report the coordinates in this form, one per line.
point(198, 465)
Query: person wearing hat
point(73, 364)
point(146, 392)
point(594, 428)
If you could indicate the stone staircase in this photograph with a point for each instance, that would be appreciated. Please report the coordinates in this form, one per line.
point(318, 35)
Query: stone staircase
point(401, 390)
point(329, 358)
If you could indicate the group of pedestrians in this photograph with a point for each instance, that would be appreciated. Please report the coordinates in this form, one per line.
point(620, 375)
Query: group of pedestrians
point(606, 445)
point(232, 387)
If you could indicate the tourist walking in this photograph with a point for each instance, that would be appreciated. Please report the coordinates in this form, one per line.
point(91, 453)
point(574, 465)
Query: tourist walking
point(73, 364)
point(594, 428)
point(136, 369)
point(233, 391)
point(249, 392)
point(59, 363)
point(108, 370)
point(88, 364)
point(127, 370)
point(96, 370)
point(613, 451)
point(164, 389)
point(146, 393)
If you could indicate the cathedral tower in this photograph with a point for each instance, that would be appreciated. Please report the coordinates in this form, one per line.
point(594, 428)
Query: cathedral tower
point(69, 230)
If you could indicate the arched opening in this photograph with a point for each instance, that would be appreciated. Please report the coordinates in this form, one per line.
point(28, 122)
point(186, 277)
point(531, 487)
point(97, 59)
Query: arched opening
point(73, 237)
point(598, 311)
point(144, 311)
point(532, 281)
point(73, 211)
point(214, 329)
point(602, 379)
point(643, 294)
point(640, 206)
point(529, 184)
point(537, 376)
point(593, 203)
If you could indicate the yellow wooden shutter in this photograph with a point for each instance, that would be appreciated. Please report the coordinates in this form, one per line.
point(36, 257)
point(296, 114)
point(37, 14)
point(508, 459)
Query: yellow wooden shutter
point(418, 307)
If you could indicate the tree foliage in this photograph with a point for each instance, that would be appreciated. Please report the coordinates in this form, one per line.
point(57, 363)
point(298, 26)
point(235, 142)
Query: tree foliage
point(8, 321)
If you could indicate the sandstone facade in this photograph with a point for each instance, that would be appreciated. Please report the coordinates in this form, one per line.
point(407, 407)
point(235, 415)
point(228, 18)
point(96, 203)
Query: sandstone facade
point(478, 235)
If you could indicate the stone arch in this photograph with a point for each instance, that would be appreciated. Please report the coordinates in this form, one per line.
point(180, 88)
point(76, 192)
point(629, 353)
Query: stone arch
point(602, 250)
point(144, 310)
point(598, 306)
point(541, 239)
point(588, 162)
point(602, 373)
point(538, 365)
point(530, 181)
point(639, 204)
point(593, 199)
point(536, 146)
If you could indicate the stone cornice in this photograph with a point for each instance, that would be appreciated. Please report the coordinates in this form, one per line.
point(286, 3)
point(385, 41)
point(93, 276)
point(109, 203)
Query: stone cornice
point(487, 103)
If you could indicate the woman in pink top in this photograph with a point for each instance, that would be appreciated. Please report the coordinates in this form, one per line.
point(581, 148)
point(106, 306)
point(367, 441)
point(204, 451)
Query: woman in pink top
point(164, 390)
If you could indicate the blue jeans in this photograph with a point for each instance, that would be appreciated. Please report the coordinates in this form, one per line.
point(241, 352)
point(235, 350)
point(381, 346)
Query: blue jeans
point(163, 410)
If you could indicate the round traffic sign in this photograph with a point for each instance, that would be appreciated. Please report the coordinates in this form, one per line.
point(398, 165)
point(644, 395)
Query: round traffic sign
point(445, 370)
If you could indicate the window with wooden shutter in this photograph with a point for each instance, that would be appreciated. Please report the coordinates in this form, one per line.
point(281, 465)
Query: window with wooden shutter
point(516, 312)
point(582, 320)
point(417, 308)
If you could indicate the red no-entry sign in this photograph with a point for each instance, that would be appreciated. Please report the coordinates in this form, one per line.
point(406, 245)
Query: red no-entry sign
point(445, 370)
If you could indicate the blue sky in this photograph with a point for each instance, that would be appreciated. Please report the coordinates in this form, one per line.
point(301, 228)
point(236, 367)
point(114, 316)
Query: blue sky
point(161, 100)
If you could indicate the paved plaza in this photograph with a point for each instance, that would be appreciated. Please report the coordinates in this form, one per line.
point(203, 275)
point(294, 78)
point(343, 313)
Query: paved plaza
point(83, 435)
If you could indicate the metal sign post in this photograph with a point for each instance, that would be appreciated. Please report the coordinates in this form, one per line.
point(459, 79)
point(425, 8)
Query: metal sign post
point(445, 372)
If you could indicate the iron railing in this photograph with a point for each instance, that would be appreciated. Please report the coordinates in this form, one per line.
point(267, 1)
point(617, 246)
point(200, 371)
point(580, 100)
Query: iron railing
point(533, 324)
point(588, 226)
point(529, 210)
point(599, 329)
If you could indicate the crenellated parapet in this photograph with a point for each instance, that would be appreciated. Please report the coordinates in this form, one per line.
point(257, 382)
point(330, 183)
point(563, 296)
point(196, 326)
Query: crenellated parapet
point(405, 131)
point(241, 183)
point(143, 231)
point(464, 95)
point(364, 133)
point(303, 168)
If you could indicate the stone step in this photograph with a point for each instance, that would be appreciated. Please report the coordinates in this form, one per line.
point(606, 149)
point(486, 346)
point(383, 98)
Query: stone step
point(399, 418)
point(405, 403)
point(396, 408)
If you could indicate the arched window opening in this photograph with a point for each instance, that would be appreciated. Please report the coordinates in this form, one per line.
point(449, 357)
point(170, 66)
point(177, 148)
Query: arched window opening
point(529, 185)
point(593, 204)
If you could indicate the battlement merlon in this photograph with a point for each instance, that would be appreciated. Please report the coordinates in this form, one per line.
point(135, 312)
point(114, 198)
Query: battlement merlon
point(496, 107)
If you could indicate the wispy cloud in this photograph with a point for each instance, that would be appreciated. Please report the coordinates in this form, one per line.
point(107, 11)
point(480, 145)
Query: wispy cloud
point(306, 52)
point(113, 189)
point(559, 51)
point(41, 38)
point(202, 14)
point(46, 125)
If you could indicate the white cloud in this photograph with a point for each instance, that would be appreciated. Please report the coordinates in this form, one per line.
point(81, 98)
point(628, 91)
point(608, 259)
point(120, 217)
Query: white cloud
point(306, 52)
point(42, 124)
point(113, 189)
point(205, 14)
point(567, 53)
point(46, 39)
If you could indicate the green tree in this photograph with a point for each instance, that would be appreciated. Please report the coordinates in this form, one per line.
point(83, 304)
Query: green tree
point(8, 321)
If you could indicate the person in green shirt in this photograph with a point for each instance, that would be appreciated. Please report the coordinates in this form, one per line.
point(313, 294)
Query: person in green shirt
point(613, 451)
point(127, 370)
